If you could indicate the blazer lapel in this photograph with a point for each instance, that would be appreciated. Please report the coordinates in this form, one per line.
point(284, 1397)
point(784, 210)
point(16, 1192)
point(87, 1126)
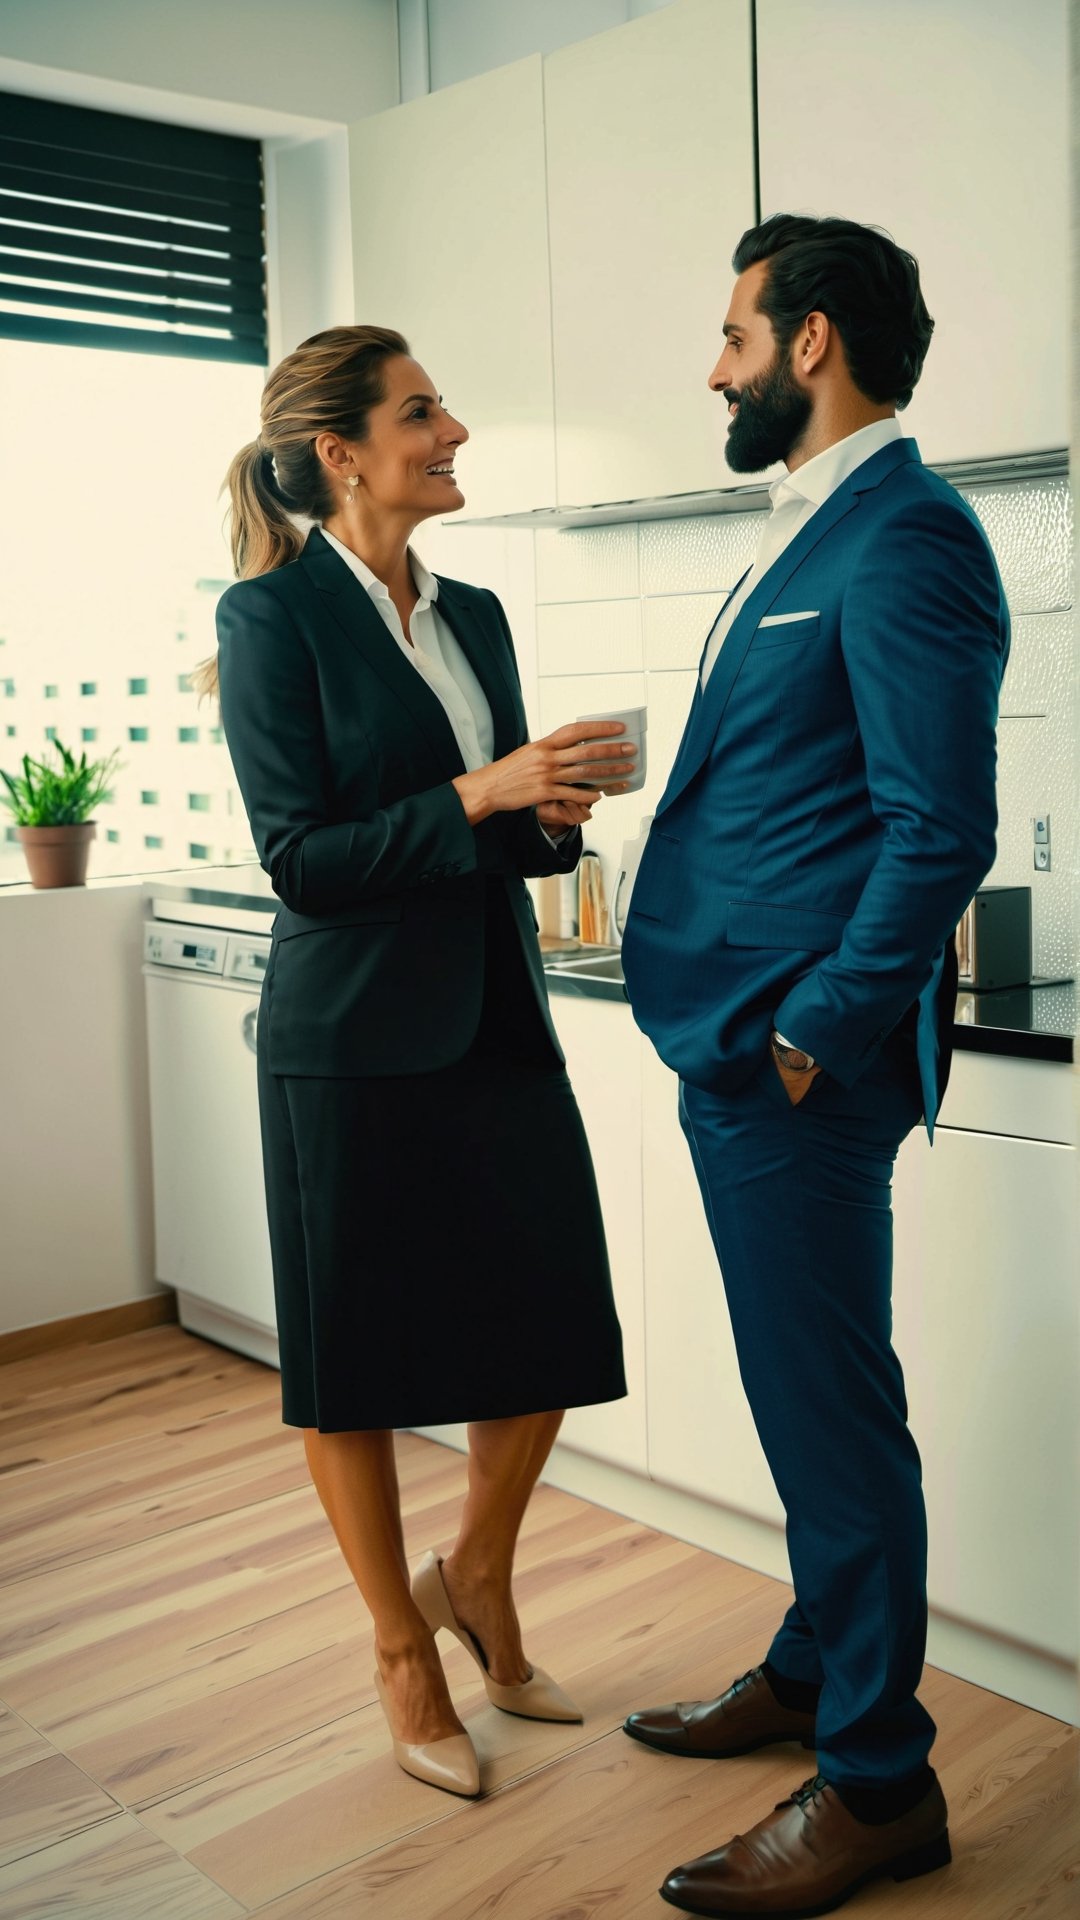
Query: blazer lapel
point(709, 705)
point(481, 640)
point(348, 604)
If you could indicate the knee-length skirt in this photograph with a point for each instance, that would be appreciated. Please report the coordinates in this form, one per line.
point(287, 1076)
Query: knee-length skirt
point(437, 1243)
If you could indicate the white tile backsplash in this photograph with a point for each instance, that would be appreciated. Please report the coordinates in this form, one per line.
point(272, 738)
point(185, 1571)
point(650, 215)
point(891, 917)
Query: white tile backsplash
point(705, 553)
point(677, 627)
point(1029, 525)
point(588, 563)
point(590, 637)
point(566, 697)
point(1040, 666)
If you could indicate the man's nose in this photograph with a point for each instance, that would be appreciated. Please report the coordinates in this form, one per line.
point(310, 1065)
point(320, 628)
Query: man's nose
point(719, 377)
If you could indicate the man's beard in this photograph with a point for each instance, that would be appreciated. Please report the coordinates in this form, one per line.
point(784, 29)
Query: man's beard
point(772, 417)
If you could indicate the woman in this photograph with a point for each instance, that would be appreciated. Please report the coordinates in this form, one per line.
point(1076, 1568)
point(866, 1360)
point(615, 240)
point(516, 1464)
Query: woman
point(436, 1236)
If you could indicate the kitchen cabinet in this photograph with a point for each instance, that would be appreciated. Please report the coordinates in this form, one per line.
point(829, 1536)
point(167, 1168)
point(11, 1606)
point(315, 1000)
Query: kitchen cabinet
point(603, 1056)
point(986, 1322)
point(450, 245)
point(650, 183)
point(701, 1435)
point(944, 121)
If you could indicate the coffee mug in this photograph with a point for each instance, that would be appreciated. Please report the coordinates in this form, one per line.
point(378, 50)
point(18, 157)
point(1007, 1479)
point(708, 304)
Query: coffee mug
point(636, 721)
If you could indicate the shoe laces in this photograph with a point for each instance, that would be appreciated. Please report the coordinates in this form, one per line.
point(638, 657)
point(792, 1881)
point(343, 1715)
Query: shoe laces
point(804, 1795)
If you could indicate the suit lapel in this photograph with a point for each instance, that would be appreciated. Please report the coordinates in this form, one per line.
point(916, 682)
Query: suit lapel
point(481, 641)
point(350, 607)
point(709, 704)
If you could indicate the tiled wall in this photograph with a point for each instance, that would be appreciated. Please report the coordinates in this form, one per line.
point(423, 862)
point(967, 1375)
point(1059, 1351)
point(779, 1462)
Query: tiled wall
point(622, 613)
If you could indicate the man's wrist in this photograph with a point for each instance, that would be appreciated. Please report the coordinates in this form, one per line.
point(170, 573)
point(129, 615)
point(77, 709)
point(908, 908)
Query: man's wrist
point(794, 1058)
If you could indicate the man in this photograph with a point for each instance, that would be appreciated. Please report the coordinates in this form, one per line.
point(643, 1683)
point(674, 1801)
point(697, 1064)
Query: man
point(789, 951)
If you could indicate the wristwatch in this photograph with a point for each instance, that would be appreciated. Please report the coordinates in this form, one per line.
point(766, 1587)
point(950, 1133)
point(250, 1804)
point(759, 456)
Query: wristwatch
point(793, 1058)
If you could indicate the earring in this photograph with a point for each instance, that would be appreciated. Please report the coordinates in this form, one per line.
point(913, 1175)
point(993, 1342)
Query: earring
point(351, 480)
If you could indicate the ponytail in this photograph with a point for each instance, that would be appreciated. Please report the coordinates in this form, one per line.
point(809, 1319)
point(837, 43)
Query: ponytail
point(261, 533)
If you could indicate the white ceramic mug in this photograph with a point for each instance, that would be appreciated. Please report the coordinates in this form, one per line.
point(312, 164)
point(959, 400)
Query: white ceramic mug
point(636, 721)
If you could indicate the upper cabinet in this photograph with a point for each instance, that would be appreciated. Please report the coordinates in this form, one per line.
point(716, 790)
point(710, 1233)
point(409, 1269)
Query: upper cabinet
point(450, 245)
point(650, 184)
point(944, 121)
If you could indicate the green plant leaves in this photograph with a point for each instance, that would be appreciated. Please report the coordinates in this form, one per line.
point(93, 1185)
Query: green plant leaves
point(57, 795)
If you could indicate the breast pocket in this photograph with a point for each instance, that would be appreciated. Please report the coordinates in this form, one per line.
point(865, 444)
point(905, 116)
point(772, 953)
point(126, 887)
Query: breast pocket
point(786, 630)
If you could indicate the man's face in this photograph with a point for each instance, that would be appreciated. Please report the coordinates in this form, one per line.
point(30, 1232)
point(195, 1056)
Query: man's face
point(769, 409)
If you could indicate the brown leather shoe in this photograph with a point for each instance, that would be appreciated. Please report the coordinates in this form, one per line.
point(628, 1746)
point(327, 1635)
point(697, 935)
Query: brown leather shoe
point(746, 1717)
point(809, 1856)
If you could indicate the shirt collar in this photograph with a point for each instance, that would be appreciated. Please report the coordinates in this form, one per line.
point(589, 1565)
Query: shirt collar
point(426, 584)
point(822, 475)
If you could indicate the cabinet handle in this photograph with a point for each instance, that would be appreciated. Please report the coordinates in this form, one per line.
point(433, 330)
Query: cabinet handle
point(248, 1026)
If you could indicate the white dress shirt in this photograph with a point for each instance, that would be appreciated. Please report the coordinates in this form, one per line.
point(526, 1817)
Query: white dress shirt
point(795, 498)
point(435, 654)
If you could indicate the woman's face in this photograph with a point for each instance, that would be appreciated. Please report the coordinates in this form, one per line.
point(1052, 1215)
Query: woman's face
point(406, 464)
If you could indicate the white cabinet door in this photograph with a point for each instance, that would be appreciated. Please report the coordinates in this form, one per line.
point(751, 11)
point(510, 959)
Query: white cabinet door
point(650, 183)
point(701, 1435)
point(944, 121)
point(449, 234)
point(986, 1306)
point(603, 1057)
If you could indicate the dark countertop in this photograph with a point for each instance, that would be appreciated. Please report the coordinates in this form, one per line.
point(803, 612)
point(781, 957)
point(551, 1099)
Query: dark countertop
point(1020, 1023)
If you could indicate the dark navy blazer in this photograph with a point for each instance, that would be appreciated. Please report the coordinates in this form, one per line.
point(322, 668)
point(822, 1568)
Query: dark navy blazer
point(345, 759)
point(831, 809)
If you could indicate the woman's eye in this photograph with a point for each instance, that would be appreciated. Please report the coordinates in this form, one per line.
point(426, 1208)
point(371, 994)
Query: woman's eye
point(418, 413)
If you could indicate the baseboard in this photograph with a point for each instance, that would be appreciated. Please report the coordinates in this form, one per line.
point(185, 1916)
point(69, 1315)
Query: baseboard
point(86, 1329)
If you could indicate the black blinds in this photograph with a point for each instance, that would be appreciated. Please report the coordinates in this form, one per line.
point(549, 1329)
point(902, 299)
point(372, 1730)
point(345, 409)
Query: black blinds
point(122, 233)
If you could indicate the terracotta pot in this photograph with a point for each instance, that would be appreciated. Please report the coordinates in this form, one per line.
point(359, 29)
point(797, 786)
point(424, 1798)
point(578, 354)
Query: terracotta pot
point(57, 856)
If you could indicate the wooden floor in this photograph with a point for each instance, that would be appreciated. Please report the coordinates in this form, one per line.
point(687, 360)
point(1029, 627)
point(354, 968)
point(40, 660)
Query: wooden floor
point(189, 1732)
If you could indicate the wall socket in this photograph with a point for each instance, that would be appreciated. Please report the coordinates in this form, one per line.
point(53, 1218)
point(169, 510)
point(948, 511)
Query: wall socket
point(1041, 834)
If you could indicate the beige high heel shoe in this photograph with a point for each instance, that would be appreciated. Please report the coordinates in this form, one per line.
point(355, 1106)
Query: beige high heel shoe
point(450, 1764)
point(538, 1698)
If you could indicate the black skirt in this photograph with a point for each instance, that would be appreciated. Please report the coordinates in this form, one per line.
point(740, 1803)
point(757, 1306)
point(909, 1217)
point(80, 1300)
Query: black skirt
point(437, 1242)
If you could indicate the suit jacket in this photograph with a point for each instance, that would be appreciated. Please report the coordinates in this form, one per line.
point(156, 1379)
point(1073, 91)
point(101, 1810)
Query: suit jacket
point(344, 758)
point(831, 809)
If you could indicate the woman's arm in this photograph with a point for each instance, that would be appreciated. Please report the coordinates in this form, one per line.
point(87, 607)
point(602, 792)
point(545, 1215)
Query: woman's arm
point(271, 714)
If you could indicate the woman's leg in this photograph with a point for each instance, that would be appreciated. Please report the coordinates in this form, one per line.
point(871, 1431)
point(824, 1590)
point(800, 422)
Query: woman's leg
point(355, 1476)
point(505, 1459)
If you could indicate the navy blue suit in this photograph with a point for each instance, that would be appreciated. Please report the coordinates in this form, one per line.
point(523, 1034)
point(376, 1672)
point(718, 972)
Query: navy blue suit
point(829, 816)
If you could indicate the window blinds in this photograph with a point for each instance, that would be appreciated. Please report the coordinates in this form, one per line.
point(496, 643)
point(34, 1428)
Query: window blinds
point(116, 232)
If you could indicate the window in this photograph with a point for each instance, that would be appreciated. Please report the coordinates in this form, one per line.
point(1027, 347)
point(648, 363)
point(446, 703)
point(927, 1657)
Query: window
point(131, 235)
point(138, 686)
point(52, 693)
point(216, 735)
point(89, 733)
point(148, 798)
point(10, 733)
point(138, 733)
point(152, 841)
point(198, 802)
point(198, 852)
point(187, 735)
point(183, 684)
point(50, 733)
point(112, 835)
point(88, 686)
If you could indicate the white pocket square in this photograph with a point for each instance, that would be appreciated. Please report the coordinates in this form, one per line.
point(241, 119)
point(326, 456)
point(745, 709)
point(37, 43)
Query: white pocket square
point(785, 619)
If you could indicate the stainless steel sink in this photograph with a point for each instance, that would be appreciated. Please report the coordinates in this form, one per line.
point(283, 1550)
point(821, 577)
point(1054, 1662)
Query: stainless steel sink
point(595, 966)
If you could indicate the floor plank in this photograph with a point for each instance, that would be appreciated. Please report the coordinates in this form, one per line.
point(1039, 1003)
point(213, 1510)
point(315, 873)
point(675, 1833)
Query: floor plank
point(191, 1732)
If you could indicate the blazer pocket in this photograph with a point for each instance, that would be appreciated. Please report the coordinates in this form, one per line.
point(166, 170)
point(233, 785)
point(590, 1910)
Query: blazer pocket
point(757, 923)
point(784, 631)
point(363, 913)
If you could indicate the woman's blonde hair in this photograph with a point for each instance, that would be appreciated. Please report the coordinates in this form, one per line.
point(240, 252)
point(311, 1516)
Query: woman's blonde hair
point(329, 385)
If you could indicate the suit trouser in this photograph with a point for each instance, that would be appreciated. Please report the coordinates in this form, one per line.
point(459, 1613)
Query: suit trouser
point(799, 1204)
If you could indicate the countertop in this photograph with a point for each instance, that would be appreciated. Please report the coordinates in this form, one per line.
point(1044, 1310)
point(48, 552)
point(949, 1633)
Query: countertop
point(1037, 1022)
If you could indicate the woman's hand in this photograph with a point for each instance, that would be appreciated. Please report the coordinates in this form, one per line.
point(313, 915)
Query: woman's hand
point(549, 771)
point(559, 816)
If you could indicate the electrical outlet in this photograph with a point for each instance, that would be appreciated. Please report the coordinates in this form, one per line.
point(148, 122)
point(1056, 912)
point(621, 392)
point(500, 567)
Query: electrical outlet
point(1041, 825)
point(1042, 859)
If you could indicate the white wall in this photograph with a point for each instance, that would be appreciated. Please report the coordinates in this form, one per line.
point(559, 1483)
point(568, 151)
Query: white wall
point(75, 1192)
point(332, 60)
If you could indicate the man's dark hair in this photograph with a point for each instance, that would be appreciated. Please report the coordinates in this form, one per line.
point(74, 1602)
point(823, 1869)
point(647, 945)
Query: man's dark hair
point(860, 279)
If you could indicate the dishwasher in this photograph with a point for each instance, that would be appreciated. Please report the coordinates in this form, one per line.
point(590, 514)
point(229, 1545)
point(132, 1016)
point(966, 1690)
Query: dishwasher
point(202, 984)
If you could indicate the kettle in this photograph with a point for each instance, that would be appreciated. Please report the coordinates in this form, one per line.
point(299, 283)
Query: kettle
point(629, 861)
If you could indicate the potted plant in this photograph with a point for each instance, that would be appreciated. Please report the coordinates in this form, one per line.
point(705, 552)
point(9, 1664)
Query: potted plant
point(52, 803)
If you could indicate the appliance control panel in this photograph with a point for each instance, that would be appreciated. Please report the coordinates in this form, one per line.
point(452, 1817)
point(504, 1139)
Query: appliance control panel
point(247, 957)
point(201, 949)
